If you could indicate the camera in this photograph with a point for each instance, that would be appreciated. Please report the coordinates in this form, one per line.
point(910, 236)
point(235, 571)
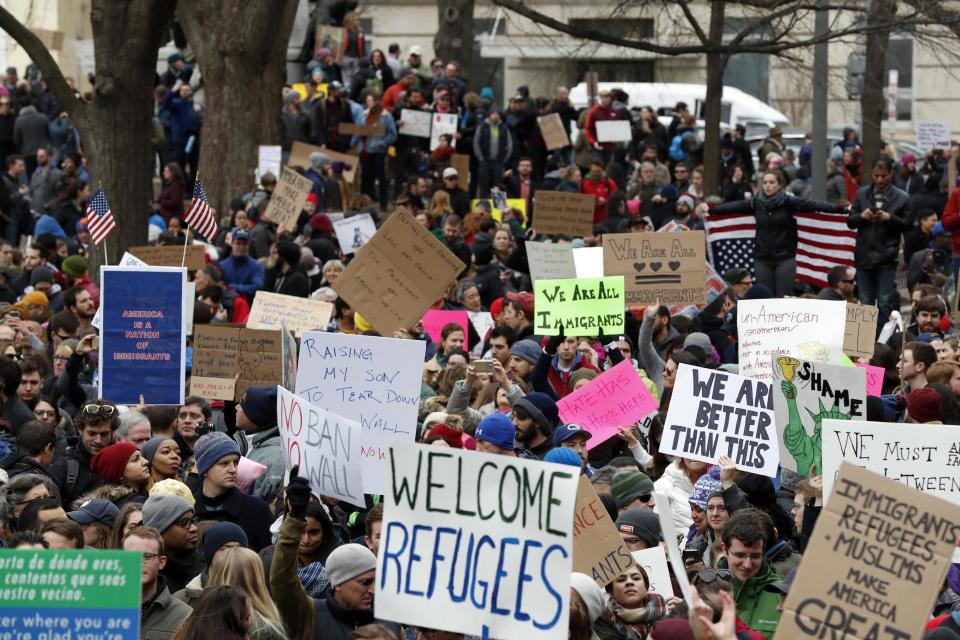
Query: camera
point(205, 427)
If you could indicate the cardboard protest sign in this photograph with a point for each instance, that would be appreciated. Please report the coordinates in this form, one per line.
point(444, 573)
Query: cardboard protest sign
point(579, 306)
point(434, 320)
point(324, 445)
point(269, 159)
point(875, 376)
point(874, 564)
point(589, 262)
point(806, 329)
point(933, 135)
point(300, 314)
point(461, 162)
point(329, 37)
point(227, 360)
point(375, 381)
point(563, 213)
point(398, 274)
point(714, 413)
point(550, 261)
point(351, 129)
point(654, 562)
point(171, 256)
point(288, 358)
point(416, 123)
point(614, 131)
point(287, 201)
point(70, 593)
point(715, 284)
point(921, 456)
point(551, 128)
point(664, 266)
point(672, 541)
point(860, 331)
point(454, 518)
point(616, 398)
point(143, 338)
point(354, 232)
point(440, 124)
point(300, 157)
point(598, 549)
point(804, 395)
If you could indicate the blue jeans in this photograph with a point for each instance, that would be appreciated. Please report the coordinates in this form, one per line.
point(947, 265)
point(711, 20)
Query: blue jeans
point(879, 286)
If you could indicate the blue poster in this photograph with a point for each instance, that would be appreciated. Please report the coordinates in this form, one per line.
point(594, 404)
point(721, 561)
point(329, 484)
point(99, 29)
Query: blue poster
point(142, 334)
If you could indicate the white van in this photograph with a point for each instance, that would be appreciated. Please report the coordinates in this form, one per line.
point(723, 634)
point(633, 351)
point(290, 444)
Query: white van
point(737, 107)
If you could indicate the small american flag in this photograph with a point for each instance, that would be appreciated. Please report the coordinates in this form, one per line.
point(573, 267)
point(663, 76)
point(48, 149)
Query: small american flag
point(200, 216)
point(100, 220)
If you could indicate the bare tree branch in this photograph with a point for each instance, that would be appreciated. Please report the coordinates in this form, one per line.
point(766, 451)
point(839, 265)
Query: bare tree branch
point(694, 24)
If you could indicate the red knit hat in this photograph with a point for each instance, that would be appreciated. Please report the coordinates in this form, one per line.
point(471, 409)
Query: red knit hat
point(923, 405)
point(496, 308)
point(449, 435)
point(110, 463)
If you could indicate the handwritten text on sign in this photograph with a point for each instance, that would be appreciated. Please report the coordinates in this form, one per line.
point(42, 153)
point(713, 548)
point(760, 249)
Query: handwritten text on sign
point(271, 309)
point(375, 381)
point(598, 549)
point(486, 539)
point(658, 266)
point(715, 414)
point(579, 306)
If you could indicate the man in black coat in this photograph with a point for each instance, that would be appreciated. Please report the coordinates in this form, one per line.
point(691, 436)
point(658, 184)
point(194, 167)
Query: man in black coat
point(95, 422)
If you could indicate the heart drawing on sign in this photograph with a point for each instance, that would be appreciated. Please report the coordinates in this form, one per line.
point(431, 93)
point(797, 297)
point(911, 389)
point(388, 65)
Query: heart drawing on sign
point(656, 265)
point(639, 266)
point(674, 265)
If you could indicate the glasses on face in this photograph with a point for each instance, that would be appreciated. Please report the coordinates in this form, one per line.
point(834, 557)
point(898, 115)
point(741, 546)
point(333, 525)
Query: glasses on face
point(741, 555)
point(105, 410)
point(746, 282)
point(680, 171)
point(709, 575)
point(150, 557)
point(186, 522)
point(645, 497)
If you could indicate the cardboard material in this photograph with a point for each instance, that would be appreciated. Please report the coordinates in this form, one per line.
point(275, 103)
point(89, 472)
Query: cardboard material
point(442, 123)
point(664, 266)
point(287, 201)
point(565, 214)
point(804, 395)
point(598, 549)
point(874, 564)
point(434, 320)
point(349, 128)
point(227, 360)
point(714, 413)
point(550, 261)
point(860, 332)
point(398, 274)
point(579, 306)
point(354, 232)
point(329, 37)
point(300, 314)
point(614, 131)
point(551, 128)
point(171, 256)
point(300, 157)
point(461, 162)
point(416, 123)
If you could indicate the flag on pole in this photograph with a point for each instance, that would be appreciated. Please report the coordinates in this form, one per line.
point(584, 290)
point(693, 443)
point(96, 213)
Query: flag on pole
point(200, 216)
point(100, 220)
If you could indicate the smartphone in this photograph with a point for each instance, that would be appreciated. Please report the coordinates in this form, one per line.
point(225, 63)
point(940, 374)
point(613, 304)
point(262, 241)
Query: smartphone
point(690, 553)
point(483, 366)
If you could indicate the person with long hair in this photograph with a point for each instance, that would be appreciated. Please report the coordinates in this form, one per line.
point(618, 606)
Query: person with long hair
point(373, 150)
point(68, 208)
point(124, 471)
point(174, 186)
point(631, 609)
point(127, 519)
point(222, 612)
point(241, 567)
point(452, 339)
point(440, 206)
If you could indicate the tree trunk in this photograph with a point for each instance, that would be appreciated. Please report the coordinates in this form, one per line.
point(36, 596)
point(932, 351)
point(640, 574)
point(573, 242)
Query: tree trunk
point(873, 102)
point(716, 62)
point(241, 47)
point(454, 39)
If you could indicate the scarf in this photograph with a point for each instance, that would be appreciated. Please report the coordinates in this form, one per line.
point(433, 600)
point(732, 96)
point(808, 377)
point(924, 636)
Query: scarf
point(443, 153)
point(634, 624)
point(769, 203)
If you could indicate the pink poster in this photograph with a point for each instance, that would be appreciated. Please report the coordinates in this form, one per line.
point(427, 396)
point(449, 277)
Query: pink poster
point(434, 320)
point(874, 379)
point(616, 398)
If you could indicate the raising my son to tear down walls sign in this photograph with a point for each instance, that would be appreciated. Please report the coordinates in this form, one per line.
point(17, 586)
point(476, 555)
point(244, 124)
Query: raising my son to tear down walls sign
point(598, 549)
point(143, 334)
point(805, 329)
point(75, 594)
point(714, 413)
point(300, 314)
point(875, 563)
point(375, 381)
point(324, 445)
point(578, 306)
point(804, 395)
point(658, 266)
point(487, 540)
point(615, 398)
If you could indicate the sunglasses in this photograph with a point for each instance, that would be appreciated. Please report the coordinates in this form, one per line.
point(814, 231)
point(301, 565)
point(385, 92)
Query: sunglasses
point(645, 497)
point(710, 575)
point(105, 410)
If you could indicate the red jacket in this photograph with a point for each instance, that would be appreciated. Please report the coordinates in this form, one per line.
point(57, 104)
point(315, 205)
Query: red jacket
point(597, 114)
point(951, 219)
point(601, 190)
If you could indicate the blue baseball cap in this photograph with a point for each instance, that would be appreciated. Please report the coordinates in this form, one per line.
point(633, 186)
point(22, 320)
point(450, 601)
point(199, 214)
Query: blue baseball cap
point(102, 511)
point(241, 234)
point(567, 431)
point(496, 429)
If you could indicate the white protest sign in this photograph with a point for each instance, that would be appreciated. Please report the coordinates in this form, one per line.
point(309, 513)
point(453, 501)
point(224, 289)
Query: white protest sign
point(807, 329)
point(482, 322)
point(933, 135)
point(354, 232)
point(269, 160)
point(416, 123)
point(614, 131)
point(441, 123)
point(549, 261)
point(654, 562)
point(487, 540)
point(375, 381)
point(714, 413)
point(324, 445)
point(662, 508)
point(588, 262)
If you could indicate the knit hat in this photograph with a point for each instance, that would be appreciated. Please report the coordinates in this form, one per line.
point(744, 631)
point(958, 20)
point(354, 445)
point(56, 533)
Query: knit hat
point(219, 535)
point(312, 197)
point(592, 595)
point(702, 489)
point(447, 434)
point(74, 266)
point(160, 512)
point(149, 448)
point(527, 350)
point(172, 487)
point(563, 455)
point(323, 53)
point(321, 222)
point(348, 561)
point(698, 339)
point(211, 447)
point(260, 405)
point(923, 405)
point(110, 463)
point(496, 429)
point(541, 408)
point(34, 297)
point(102, 511)
point(486, 93)
point(41, 274)
point(525, 298)
point(319, 160)
point(907, 158)
point(48, 226)
point(687, 200)
point(758, 292)
point(581, 374)
point(672, 629)
point(496, 308)
point(628, 485)
point(643, 523)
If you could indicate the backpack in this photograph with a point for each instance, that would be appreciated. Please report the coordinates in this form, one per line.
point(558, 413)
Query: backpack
point(676, 148)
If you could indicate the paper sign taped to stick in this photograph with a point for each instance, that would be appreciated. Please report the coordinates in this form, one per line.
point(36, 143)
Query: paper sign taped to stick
point(434, 320)
point(287, 201)
point(227, 360)
point(398, 274)
point(654, 562)
point(324, 445)
point(580, 306)
point(615, 398)
point(510, 520)
point(354, 232)
point(589, 262)
point(550, 261)
point(658, 266)
point(171, 256)
point(614, 131)
point(300, 314)
point(875, 563)
point(416, 123)
point(351, 129)
point(300, 157)
point(551, 128)
point(933, 135)
point(598, 549)
point(563, 213)
point(714, 413)
point(804, 395)
point(860, 332)
point(442, 123)
point(806, 329)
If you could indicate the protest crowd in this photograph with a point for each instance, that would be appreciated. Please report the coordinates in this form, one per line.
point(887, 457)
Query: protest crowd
point(237, 540)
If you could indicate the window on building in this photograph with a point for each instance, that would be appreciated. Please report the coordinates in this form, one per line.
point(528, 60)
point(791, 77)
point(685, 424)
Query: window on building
point(487, 72)
point(617, 70)
point(633, 28)
point(749, 72)
point(899, 56)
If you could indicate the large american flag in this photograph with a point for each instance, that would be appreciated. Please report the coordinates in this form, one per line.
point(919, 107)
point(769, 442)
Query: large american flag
point(824, 241)
point(100, 220)
point(200, 216)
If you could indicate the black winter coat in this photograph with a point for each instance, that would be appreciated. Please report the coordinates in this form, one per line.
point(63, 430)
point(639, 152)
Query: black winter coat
point(86, 480)
point(248, 512)
point(878, 241)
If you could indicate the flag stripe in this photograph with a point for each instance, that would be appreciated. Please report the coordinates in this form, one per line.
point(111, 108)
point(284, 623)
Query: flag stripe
point(100, 220)
point(200, 216)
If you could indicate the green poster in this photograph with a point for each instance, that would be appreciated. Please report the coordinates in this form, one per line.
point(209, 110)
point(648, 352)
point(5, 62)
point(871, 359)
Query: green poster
point(582, 306)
